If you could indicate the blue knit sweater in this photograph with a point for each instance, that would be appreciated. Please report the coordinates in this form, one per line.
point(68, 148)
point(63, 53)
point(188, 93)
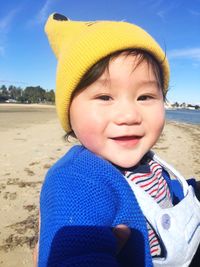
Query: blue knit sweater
point(83, 197)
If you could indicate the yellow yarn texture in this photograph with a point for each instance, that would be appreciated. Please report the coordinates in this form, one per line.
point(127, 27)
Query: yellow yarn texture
point(79, 45)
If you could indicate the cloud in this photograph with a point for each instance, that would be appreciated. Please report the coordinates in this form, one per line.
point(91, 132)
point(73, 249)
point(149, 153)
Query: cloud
point(6, 21)
point(13, 82)
point(42, 14)
point(164, 10)
point(161, 8)
point(190, 53)
point(5, 25)
point(152, 4)
point(194, 12)
point(2, 51)
point(161, 14)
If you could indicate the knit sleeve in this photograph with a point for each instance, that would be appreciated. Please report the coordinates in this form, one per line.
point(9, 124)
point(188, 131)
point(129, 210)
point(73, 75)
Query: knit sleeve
point(76, 219)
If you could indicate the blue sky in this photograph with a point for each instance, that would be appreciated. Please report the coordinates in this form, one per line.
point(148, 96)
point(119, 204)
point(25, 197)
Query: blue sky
point(26, 58)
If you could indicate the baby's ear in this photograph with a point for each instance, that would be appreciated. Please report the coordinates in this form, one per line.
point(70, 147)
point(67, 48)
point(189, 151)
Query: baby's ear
point(61, 31)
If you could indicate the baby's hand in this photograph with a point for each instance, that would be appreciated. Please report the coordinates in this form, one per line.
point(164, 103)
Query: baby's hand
point(122, 233)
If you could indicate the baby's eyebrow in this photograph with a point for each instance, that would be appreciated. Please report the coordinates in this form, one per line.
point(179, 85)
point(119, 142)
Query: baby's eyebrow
point(104, 81)
point(148, 82)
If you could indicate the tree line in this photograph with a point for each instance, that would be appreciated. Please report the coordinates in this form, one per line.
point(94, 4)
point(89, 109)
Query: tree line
point(31, 94)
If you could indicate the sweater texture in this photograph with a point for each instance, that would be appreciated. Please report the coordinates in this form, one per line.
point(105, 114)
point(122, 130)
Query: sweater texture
point(82, 199)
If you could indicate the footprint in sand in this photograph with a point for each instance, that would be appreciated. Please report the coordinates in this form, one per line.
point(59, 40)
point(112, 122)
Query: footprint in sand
point(34, 163)
point(29, 172)
point(30, 207)
point(47, 166)
point(6, 174)
point(22, 184)
point(10, 196)
point(13, 181)
point(2, 186)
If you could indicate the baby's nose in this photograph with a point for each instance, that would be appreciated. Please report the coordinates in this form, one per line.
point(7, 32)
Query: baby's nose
point(127, 113)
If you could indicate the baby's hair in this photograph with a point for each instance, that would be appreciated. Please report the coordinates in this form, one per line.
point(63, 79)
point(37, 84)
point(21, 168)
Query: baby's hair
point(95, 72)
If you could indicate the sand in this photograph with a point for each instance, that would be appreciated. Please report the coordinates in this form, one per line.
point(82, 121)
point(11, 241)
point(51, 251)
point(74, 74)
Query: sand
point(31, 140)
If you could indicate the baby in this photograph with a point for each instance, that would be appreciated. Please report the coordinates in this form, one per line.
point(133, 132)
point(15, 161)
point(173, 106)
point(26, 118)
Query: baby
point(112, 80)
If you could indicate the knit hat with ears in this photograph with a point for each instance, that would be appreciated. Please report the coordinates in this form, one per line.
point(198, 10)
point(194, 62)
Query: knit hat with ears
point(79, 45)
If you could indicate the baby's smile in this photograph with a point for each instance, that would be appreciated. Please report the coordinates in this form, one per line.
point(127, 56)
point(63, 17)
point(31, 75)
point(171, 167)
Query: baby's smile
point(127, 141)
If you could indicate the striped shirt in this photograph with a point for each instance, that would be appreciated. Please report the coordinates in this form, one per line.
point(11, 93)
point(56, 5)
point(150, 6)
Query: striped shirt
point(152, 181)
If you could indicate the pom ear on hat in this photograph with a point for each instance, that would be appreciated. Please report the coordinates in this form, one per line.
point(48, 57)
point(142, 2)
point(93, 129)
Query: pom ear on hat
point(59, 30)
point(79, 45)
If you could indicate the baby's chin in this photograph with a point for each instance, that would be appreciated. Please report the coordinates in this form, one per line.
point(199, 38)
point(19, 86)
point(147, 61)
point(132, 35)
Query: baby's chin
point(126, 166)
point(126, 163)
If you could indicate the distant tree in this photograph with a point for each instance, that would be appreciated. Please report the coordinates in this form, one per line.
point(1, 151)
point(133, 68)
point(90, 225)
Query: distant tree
point(50, 96)
point(15, 92)
point(4, 95)
point(31, 94)
point(34, 94)
point(22, 99)
point(183, 105)
point(3, 88)
point(3, 98)
point(175, 105)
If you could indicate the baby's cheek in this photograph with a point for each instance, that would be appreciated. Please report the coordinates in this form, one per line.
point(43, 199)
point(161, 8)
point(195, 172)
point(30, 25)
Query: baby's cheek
point(159, 123)
point(87, 135)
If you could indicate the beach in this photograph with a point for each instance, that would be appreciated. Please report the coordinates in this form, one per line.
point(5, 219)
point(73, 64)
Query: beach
point(31, 141)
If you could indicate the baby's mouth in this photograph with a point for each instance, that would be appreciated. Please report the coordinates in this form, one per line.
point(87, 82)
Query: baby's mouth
point(126, 138)
point(127, 141)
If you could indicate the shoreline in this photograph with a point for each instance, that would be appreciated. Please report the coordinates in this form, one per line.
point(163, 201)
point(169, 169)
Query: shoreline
point(30, 145)
point(27, 105)
point(182, 122)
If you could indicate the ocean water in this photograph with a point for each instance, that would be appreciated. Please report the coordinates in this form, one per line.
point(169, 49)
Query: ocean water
point(183, 115)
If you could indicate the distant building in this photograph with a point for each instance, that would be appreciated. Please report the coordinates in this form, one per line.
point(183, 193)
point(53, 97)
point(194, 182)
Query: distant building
point(11, 101)
point(168, 105)
point(183, 105)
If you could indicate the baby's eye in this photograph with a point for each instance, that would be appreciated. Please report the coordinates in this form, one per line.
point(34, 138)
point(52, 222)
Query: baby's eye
point(104, 97)
point(144, 97)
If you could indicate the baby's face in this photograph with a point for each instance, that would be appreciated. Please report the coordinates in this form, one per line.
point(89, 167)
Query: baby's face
point(121, 115)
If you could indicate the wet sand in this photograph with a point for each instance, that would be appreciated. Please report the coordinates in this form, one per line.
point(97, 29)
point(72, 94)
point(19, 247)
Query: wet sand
point(31, 140)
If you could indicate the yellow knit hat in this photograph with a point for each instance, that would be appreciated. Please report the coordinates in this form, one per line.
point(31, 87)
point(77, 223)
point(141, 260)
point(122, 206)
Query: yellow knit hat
point(79, 45)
